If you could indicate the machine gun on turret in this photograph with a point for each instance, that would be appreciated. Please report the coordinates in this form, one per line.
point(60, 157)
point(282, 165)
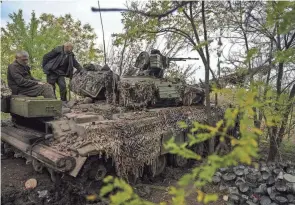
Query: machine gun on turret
point(156, 63)
point(182, 59)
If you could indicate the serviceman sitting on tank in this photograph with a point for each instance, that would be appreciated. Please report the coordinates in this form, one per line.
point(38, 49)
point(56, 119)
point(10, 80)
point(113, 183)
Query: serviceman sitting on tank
point(21, 82)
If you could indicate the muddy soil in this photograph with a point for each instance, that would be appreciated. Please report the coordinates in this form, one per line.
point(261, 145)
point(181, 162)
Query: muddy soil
point(15, 172)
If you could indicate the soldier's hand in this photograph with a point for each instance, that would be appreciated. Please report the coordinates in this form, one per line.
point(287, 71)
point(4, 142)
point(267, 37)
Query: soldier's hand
point(41, 83)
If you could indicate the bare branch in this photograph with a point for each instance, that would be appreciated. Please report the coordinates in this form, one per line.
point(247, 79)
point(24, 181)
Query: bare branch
point(147, 14)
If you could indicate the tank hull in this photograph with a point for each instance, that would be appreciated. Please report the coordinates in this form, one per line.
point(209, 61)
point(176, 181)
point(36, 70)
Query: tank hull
point(132, 141)
point(126, 132)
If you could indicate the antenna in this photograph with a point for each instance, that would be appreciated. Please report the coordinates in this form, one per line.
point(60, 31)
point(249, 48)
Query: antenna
point(104, 46)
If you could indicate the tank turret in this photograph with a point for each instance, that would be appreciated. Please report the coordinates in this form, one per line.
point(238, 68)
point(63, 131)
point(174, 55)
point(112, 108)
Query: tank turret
point(148, 87)
point(145, 88)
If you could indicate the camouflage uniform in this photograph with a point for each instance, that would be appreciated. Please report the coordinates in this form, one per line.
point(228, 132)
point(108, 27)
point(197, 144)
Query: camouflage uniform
point(45, 90)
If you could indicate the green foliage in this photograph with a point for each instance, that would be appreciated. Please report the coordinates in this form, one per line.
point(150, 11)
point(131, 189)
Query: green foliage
point(124, 195)
point(250, 54)
point(177, 24)
point(243, 150)
point(287, 56)
point(274, 107)
point(282, 14)
point(181, 150)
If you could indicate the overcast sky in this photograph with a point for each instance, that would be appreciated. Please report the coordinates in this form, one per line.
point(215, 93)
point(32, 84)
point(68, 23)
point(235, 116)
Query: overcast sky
point(81, 9)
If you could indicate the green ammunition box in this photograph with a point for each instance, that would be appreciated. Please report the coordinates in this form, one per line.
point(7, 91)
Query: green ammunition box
point(35, 107)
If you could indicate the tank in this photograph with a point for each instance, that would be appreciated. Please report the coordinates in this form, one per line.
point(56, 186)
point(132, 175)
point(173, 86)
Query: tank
point(118, 126)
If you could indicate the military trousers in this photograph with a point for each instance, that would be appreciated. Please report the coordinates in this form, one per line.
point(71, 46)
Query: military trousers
point(53, 79)
point(37, 90)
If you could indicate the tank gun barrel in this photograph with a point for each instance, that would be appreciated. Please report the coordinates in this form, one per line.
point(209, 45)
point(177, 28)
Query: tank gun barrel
point(182, 59)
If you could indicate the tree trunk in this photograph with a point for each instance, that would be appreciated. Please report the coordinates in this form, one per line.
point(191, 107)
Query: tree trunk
point(286, 115)
point(274, 138)
point(122, 58)
point(273, 145)
point(208, 108)
point(207, 78)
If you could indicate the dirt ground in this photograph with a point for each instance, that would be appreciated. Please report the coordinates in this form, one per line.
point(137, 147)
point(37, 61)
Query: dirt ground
point(15, 172)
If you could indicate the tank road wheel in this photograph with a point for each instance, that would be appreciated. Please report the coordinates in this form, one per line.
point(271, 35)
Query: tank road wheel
point(199, 99)
point(38, 167)
point(158, 166)
point(97, 173)
point(94, 170)
point(55, 177)
point(178, 161)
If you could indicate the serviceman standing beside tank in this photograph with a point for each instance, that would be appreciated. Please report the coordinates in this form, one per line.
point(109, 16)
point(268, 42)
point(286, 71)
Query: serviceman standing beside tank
point(21, 82)
point(58, 64)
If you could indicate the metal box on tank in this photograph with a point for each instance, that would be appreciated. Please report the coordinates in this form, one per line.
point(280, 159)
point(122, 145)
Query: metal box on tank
point(156, 61)
point(35, 107)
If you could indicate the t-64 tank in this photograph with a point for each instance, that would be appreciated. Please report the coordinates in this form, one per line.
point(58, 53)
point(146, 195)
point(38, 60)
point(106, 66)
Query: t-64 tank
point(121, 127)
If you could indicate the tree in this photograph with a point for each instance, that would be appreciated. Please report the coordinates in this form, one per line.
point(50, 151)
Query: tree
point(280, 16)
point(265, 57)
point(265, 32)
point(41, 35)
point(122, 56)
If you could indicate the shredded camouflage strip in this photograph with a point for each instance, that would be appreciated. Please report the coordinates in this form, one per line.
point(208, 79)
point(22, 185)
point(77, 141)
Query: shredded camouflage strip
point(137, 95)
point(142, 93)
point(93, 81)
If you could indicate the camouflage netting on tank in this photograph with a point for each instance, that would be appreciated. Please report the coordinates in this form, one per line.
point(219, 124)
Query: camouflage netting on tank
point(105, 110)
point(137, 95)
point(144, 92)
point(93, 80)
point(130, 143)
point(135, 140)
point(191, 94)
